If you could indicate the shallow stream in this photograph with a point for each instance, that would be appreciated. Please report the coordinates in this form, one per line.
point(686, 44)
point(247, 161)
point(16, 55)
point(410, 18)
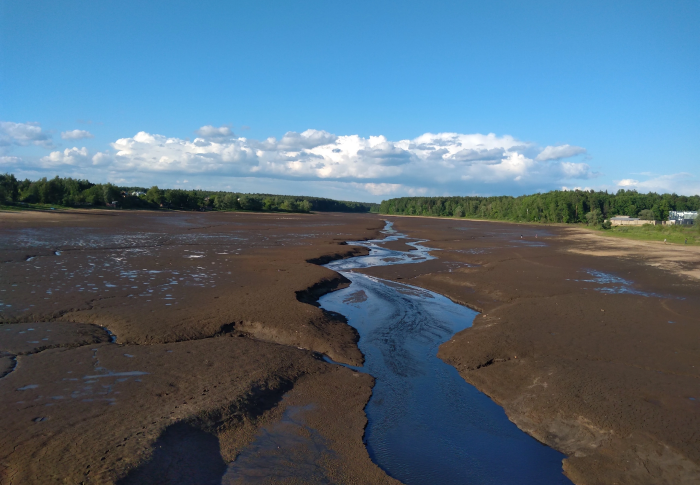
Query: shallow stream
point(426, 425)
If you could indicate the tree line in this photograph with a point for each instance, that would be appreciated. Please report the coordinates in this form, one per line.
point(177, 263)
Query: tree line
point(71, 192)
point(575, 206)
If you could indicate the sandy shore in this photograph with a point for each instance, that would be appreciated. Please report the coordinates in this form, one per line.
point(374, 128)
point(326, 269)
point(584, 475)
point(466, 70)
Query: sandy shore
point(589, 343)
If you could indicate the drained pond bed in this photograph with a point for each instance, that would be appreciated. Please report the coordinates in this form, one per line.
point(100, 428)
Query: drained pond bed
point(425, 423)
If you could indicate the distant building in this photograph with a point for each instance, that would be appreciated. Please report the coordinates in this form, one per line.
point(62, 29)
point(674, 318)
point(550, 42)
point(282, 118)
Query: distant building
point(138, 193)
point(630, 221)
point(681, 217)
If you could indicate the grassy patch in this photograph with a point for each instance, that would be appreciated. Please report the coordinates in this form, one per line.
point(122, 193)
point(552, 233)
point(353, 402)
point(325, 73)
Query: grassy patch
point(647, 232)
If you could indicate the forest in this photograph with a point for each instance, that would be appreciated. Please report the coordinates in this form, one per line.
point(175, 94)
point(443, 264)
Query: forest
point(69, 192)
point(575, 206)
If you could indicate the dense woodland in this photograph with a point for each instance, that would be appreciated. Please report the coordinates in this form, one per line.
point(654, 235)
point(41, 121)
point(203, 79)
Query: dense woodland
point(576, 206)
point(70, 192)
point(557, 206)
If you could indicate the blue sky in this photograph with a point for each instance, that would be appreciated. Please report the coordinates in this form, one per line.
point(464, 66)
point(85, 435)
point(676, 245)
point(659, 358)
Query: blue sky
point(358, 100)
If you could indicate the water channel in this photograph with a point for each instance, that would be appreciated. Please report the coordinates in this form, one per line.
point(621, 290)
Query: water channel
point(426, 425)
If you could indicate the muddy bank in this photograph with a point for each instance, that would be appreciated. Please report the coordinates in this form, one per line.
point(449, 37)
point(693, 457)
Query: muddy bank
point(171, 340)
point(158, 278)
point(595, 355)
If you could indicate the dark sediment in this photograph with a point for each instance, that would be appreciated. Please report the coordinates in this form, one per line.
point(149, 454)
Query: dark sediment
point(200, 362)
point(590, 344)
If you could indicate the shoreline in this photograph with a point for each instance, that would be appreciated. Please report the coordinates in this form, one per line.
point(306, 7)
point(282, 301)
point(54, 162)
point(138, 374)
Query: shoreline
point(577, 226)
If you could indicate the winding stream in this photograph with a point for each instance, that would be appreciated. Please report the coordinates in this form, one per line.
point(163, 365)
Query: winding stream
point(426, 425)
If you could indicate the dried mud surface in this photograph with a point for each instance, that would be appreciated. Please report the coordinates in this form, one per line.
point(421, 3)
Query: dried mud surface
point(140, 347)
point(591, 345)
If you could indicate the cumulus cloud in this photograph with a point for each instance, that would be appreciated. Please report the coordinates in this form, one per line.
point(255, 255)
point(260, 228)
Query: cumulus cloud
point(76, 135)
point(559, 152)
point(585, 189)
point(380, 189)
point(472, 155)
point(212, 132)
point(431, 163)
point(385, 153)
point(428, 160)
point(680, 183)
point(9, 161)
point(70, 156)
point(23, 134)
point(102, 158)
point(293, 141)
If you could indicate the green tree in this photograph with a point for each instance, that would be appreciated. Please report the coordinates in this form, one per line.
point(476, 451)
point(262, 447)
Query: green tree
point(110, 193)
point(9, 188)
point(305, 206)
point(594, 217)
point(154, 195)
point(646, 214)
point(289, 205)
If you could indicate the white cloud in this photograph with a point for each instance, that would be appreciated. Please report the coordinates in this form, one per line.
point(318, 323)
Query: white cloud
point(7, 160)
point(679, 183)
point(23, 134)
point(380, 189)
point(76, 135)
point(292, 141)
point(432, 163)
point(571, 170)
point(70, 156)
point(220, 133)
point(559, 152)
point(102, 158)
point(585, 189)
point(429, 160)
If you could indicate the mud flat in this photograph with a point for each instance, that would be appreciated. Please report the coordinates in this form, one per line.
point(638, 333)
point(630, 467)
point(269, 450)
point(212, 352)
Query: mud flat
point(141, 347)
point(591, 345)
point(426, 424)
point(146, 347)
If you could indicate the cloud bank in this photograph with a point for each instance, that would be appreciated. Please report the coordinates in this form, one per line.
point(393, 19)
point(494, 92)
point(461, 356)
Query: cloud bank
point(431, 164)
point(430, 160)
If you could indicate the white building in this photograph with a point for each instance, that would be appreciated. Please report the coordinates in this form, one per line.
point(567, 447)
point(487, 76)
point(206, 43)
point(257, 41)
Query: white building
point(682, 217)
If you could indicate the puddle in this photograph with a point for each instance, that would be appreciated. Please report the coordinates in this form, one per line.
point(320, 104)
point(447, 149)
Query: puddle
point(27, 388)
point(117, 374)
point(426, 424)
point(617, 285)
point(525, 242)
